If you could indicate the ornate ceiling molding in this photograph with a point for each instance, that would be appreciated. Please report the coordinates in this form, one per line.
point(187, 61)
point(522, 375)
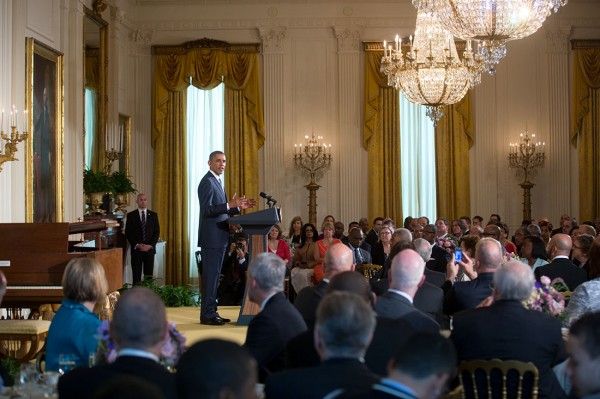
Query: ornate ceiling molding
point(206, 43)
point(348, 39)
point(272, 39)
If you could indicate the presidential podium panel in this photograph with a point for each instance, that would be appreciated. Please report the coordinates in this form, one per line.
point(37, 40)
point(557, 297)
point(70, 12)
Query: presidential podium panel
point(257, 225)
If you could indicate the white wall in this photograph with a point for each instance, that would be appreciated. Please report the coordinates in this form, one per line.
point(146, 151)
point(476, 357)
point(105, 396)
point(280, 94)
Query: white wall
point(312, 77)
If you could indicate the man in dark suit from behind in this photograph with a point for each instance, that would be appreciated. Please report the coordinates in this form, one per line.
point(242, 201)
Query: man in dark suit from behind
point(559, 249)
point(139, 330)
point(508, 331)
point(215, 369)
point(142, 231)
point(461, 295)
point(278, 320)
point(344, 328)
point(424, 248)
point(405, 276)
point(338, 259)
point(420, 368)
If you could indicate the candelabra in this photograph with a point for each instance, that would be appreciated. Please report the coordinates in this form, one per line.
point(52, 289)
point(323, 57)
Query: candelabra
point(114, 145)
point(9, 149)
point(525, 157)
point(312, 160)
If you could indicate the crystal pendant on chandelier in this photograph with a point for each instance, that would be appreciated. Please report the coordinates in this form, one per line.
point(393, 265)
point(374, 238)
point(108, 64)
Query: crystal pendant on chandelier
point(431, 73)
point(491, 22)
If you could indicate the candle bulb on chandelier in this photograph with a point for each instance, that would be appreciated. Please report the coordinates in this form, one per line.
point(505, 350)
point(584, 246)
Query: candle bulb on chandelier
point(384, 49)
point(397, 42)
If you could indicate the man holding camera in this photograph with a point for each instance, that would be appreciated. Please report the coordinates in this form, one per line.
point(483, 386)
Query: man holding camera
point(235, 264)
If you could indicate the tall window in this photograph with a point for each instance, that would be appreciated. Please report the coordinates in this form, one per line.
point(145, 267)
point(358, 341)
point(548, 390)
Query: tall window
point(417, 141)
point(90, 126)
point(205, 134)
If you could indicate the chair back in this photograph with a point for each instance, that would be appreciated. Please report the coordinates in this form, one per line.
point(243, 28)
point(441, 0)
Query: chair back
point(495, 378)
point(370, 271)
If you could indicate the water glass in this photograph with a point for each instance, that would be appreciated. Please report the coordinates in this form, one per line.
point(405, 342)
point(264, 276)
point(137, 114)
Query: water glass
point(67, 362)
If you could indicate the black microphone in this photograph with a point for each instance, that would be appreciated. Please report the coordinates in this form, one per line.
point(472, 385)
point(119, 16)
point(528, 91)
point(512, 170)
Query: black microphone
point(270, 200)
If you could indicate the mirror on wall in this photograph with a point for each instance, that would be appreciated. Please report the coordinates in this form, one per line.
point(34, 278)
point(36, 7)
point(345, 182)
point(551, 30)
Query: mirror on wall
point(95, 60)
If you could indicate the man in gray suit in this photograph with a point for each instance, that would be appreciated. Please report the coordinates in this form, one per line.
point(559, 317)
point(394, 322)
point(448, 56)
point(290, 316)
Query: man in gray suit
point(213, 233)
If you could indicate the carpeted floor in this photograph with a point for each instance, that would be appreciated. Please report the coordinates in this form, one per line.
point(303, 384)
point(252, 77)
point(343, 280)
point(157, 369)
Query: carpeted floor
point(188, 323)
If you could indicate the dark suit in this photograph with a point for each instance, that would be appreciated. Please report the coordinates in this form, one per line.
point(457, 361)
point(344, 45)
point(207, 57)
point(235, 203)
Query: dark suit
point(307, 301)
point(379, 255)
point(565, 269)
point(467, 294)
point(134, 234)
point(384, 389)
point(83, 383)
point(429, 299)
point(435, 278)
point(508, 331)
point(396, 306)
point(362, 257)
point(213, 237)
point(439, 259)
point(371, 238)
point(316, 382)
point(269, 332)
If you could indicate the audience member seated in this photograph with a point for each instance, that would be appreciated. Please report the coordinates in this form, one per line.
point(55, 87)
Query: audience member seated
point(293, 236)
point(321, 249)
point(559, 249)
point(533, 252)
point(372, 236)
point(519, 236)
point(380, 252)
point(463, 295)
point(344, 328)
point(338, 259)
point(586, 298)
point(504, 234)
point(139, 330)
point(327, 219)
point(278, 320)
point(439, 256)
point(355, 240)
point(457, 228)
point(128, 387)
point(583, 347)
point(581, 251)
point(74, 327)
point(232, 285)
point(338, 230)
point(304, 262)
point(546, 229)
point(468, 244)
point(404, 278)
point(508, 331)
point(215, 369)
point(424, 248)
point(277, 245)
point(420, 369)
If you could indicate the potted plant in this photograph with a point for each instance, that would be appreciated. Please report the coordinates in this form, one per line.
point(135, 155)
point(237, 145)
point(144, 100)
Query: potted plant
point(121, 186)
point(95, 184)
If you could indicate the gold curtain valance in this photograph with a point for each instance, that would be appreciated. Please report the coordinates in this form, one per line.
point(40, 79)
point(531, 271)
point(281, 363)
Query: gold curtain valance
point(92, 69)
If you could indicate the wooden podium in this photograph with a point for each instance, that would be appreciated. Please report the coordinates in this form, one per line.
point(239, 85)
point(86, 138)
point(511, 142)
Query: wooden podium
point(257, 225)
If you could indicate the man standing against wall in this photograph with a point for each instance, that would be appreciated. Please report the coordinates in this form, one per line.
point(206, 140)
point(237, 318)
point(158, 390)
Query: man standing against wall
point(142, 232)
point(213, 233)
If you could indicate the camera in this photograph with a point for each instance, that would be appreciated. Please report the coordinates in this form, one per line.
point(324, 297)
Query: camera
point(239, 245)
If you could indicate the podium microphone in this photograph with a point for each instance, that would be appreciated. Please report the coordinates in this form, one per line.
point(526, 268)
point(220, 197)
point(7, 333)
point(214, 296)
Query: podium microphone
point(270, 200)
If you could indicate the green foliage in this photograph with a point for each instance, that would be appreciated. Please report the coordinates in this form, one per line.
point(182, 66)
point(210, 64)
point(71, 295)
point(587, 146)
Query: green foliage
point(12, 369)
point(96, 182)
point(172, 296)
point(121, 183)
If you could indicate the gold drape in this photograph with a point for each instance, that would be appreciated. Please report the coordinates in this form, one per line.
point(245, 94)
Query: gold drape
point(381, 138)
point(453, 139)
point(244, 133)
point(585, 131)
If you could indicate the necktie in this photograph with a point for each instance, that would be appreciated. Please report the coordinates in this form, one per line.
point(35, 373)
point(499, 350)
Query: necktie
point(357, 255)
point(144, 226)
point(221, 183)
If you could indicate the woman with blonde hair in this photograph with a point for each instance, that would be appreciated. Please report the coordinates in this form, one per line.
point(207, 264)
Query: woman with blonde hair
point(74, 327)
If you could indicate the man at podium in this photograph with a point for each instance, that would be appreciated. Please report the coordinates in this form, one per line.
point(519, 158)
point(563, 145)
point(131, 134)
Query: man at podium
point(213, 233)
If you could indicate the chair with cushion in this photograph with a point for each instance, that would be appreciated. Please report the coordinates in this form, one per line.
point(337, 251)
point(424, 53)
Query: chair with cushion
point(487, 379)
point(23, 340)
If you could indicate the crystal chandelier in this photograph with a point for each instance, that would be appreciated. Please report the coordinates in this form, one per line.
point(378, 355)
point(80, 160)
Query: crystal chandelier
point(491, 22)
point(430, 73)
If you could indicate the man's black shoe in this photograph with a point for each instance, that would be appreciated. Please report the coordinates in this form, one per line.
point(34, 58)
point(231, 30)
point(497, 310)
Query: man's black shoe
point(215, 321)
point(224, 319)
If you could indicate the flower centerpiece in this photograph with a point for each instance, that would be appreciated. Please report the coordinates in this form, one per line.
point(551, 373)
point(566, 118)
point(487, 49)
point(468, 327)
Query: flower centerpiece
point(170, 353)
point(547, 298)
point(448, 243)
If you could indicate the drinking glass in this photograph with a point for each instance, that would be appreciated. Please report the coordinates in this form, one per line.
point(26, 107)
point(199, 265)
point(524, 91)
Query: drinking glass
point(67, 362)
